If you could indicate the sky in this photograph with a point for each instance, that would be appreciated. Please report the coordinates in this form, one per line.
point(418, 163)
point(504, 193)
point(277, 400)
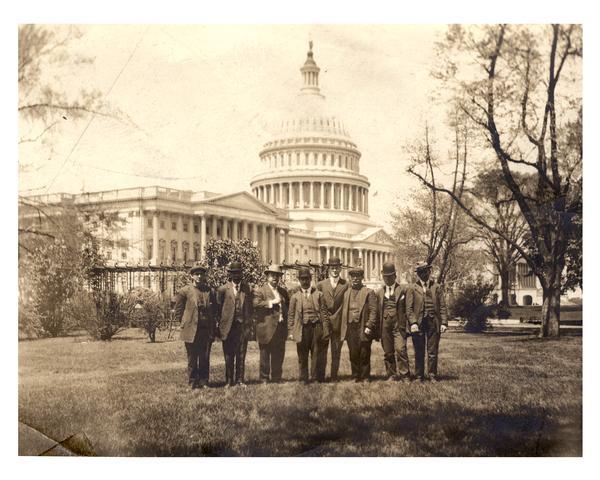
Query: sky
point(198, 102)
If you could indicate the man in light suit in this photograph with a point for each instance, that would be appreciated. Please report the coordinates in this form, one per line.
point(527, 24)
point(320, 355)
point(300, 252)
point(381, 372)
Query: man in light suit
point(309, 328)
point(333, 289)
point(428, 318)
point(234, 300)
point(392, 324)
point(359, 324)
point(271, 303)
point(195, 310)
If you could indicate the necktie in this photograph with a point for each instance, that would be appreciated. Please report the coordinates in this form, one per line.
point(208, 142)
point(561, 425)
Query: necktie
point(306, 293)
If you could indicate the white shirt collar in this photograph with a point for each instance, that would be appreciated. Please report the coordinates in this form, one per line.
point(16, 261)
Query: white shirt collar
point(334, 281)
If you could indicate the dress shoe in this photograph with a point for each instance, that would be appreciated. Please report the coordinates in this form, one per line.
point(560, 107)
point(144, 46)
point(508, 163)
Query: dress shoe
point(241, 385)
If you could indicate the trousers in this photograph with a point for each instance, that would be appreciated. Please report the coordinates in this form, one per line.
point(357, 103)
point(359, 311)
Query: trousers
point(198, 357)
point(272, 354)
point(234, 351)
point(312, 344)
point(360, 352)
point(336, 352)
point(395, 354)
point(428, 339)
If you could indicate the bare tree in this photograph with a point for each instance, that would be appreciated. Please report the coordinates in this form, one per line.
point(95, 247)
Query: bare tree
point(506, 217)
point(434, 228)
point(506, 80)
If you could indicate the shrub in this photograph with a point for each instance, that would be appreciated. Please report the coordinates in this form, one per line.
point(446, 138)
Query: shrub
point(147, 309)
point(99, 313)
point(219, 253)
point(470, 304)
point(30, 322)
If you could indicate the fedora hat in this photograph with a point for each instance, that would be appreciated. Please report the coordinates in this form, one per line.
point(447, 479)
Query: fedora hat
point(334, 262)
point(274, 268)
point(304, 273)
point(388, 269)
point(197, 268)
point(234, 267)
point(422, 266)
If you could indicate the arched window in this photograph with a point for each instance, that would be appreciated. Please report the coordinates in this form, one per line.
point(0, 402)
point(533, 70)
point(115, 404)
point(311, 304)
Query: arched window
point(173, 250)
point(185, 247)
point(162, 245)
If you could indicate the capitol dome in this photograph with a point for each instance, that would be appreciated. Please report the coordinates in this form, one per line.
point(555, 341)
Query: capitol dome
point(311, 165)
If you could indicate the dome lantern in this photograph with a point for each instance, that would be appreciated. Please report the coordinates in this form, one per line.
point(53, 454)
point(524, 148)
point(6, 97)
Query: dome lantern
point(310, 73)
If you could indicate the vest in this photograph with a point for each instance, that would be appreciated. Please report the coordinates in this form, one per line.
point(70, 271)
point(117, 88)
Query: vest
point(309, 315)
point(237, 313)
point(428, 303)
point(389, 307)
point(354, 312)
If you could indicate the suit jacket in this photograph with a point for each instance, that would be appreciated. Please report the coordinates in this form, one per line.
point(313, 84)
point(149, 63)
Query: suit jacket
point(367, 305)
point(267, 318)
point(295, 313)
point(226, 307)
point(187, 303)
point(415, 304)
point(400, 295)
point(333, 301)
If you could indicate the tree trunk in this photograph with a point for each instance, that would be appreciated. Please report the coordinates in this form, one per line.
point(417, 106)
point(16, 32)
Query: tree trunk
point(505, 287)
point(551, 307)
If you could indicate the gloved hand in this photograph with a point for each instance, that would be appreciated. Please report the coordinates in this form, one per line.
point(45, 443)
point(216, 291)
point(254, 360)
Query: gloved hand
point(443, 328)
point(414, 328)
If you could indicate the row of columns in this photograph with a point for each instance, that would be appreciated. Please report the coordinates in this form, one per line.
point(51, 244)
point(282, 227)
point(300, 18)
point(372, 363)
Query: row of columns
point(319, 195)
point(371, 260)
point(304, 159)
point(271, 240)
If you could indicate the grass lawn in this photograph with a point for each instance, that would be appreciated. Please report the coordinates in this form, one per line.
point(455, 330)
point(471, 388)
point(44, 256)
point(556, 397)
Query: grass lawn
point(500, 395)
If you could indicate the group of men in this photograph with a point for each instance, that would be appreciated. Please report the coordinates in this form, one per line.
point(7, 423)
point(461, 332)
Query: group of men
point(316, 319)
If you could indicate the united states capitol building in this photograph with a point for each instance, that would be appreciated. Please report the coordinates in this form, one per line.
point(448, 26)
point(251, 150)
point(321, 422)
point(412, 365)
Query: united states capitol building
point(309, 201)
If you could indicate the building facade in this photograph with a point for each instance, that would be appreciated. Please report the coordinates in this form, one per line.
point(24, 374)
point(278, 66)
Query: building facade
point(309, 202)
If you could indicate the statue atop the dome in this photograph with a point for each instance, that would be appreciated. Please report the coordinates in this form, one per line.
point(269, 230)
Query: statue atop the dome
point(310, 44)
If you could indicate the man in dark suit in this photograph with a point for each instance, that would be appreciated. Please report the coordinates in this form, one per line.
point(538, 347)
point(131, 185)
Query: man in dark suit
point(309, 328)
point(234, 300)
point(195, 310)
point(333, 289)
point(428, 318)
point(271, 303)
point(393, 325)
point(359, 324)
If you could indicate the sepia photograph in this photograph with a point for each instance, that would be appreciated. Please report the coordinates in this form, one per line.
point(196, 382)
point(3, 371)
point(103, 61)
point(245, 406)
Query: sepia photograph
point(300, 240)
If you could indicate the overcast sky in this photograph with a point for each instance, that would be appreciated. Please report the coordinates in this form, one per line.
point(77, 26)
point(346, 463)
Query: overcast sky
point(202, 100)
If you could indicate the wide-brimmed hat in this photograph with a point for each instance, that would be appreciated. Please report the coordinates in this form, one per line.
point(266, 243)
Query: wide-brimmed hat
point(422, 266)
point(353, 271)
point(198, 268)
point(388, 269)
point(234, 267)
point(304, 273)
point(334, 262)
point(274, 268)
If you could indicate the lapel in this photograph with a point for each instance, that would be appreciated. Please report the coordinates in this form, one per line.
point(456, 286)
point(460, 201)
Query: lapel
point(362, 296)
point(268, 292)
point(315, 298)
point(232, 293)
point(381, 295)
point(339, 287)
point(397, 292)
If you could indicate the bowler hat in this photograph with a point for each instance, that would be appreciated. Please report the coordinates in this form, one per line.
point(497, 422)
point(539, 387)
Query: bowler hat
point(274, 268)
point(234, 267)
point(422, 266)
point(353, 271)
point(197, 268)
point(334, 262)
point(304, 273)
point(388, 269)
